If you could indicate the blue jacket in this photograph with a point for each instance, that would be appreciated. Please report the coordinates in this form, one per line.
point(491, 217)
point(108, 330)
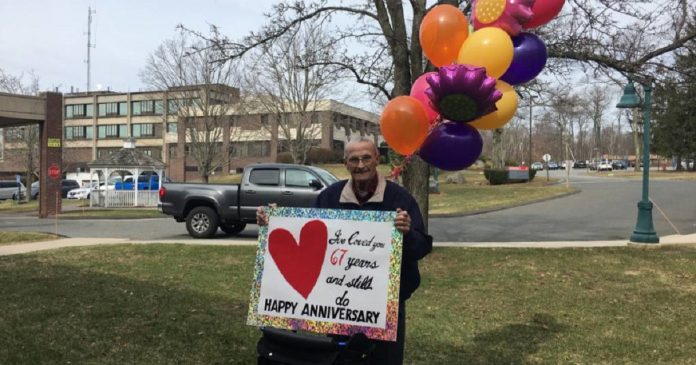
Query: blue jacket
point(417, 243)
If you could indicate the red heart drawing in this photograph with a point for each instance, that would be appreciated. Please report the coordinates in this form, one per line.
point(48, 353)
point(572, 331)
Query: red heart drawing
point(300, 264)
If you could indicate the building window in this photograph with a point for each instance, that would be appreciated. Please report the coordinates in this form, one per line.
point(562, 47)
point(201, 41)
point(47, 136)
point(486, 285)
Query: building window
point(105, 152)
point(250, 149)
point(112, 109)
point(78, 111)
point(79, 132)
point(111, 131)
point(147, 107)
point(155, 153)
point(143, 130)
point(172, 150)
point(14, 134)
point(172, 127)
point(173, 106)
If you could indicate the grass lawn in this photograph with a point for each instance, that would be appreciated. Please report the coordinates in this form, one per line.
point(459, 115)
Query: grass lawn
point(130, 213)
point(10, 237)
point(7, 206)
point(476, 195)
point(164, 304)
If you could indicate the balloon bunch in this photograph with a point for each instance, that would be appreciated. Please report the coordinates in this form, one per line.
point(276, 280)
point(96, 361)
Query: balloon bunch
point(473, 88)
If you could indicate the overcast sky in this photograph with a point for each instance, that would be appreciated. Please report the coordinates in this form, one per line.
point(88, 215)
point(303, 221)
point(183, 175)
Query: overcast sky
point(50, 37)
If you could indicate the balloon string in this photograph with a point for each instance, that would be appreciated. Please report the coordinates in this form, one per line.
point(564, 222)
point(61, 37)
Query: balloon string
point(398, 169)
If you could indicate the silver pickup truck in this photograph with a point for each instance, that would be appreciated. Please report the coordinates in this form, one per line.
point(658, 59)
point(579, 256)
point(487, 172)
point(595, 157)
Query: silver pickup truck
point(205, 207)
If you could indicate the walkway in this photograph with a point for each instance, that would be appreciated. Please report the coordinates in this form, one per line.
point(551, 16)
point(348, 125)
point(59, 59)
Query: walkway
point(14, 249)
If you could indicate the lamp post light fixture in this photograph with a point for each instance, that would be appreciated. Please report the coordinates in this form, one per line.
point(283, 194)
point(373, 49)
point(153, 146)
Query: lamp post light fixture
point(644, 231)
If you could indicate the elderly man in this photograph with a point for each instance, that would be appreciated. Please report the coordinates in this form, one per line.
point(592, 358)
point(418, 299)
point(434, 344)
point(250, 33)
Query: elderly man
point(367, 190)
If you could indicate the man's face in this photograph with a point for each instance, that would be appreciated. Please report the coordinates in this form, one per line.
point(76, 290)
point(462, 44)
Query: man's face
point(361, 161)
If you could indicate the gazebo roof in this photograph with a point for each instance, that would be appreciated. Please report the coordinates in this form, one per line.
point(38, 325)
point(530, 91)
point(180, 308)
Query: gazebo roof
point(127, 157)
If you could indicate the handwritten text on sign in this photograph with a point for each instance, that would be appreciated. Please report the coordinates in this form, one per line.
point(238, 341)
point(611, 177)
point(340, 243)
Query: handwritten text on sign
point(328, 271)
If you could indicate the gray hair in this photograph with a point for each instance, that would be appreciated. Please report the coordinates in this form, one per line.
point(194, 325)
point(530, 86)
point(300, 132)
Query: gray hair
point(361, 139)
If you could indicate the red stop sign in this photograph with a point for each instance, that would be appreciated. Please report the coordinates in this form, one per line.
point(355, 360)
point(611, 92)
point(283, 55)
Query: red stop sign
point(54, 171)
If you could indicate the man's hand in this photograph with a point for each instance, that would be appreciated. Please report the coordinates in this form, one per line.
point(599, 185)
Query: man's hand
point(402, 222)
point(261, 216)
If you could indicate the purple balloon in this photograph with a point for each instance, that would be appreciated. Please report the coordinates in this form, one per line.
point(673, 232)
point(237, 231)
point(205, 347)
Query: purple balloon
point(452, 146)
point(528, 59)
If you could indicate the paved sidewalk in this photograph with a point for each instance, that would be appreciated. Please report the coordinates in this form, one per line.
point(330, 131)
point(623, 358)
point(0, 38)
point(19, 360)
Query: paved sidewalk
point(14, 249)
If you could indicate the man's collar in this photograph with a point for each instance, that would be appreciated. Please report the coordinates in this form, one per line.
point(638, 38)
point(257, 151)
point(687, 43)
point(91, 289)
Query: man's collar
point(348, 196)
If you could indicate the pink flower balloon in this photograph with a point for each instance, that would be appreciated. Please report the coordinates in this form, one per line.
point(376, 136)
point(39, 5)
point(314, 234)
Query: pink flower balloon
point(418, 92)
point(508, 15)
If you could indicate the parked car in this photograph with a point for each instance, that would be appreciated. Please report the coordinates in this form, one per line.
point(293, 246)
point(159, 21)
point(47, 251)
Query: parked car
point(580, 164)
point(10, 188)
point(537, 166)
point(618, 165)
point(65, 186)
point(552, 165)
point(593, 165)
point(205, 207)
point(85, 191)
point(605, 165)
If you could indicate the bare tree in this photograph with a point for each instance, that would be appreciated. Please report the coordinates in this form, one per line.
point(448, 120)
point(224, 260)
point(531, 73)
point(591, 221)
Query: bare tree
point(616, 39)
point(604, 37)
point(199, 97)
point(597, 107)
point(25, 141)
point(377, 50)
point(288, 80)
point(633, 38)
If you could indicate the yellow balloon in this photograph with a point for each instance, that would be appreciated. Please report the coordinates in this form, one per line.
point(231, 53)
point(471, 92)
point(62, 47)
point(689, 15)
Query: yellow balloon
point(490, 48)
point(507, 105)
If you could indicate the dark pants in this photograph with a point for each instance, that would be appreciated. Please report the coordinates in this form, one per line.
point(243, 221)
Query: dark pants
point(388, 352)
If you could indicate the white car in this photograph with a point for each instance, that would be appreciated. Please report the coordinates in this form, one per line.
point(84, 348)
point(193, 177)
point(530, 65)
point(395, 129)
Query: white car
point(84, 192)
point(605, 166)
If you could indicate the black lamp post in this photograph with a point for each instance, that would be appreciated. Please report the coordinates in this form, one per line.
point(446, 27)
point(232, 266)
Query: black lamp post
point(529, 163)
point(644, 231)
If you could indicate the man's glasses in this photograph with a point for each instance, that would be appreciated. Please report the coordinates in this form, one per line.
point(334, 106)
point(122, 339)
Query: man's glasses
point(355, 160)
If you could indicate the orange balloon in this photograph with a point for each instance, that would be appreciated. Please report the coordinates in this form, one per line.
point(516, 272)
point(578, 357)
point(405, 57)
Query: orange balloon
point(404, 124)
point(507, 105)
point(442, 33)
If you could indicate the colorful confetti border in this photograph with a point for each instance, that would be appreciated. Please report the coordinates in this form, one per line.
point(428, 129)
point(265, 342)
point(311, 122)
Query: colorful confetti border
point(387, 334)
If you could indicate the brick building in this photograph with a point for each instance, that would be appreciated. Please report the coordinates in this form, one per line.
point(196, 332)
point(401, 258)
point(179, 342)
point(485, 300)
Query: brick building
point(96, 123)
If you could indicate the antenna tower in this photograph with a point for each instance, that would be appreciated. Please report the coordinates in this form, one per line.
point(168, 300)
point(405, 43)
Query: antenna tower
point(90, 45)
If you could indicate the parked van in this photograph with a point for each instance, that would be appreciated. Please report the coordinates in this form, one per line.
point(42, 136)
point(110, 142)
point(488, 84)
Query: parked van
point(9, 189)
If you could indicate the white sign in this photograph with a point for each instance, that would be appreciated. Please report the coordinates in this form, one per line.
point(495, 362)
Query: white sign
point(546, 157)
point(329, 271)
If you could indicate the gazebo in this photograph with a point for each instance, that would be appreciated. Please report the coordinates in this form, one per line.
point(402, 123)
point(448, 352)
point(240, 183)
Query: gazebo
point(125, 163)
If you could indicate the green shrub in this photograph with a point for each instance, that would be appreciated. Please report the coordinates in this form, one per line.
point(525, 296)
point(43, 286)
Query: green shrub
point(284, 157)
point(500, 176)
point(316, 155)
point(496, 176)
